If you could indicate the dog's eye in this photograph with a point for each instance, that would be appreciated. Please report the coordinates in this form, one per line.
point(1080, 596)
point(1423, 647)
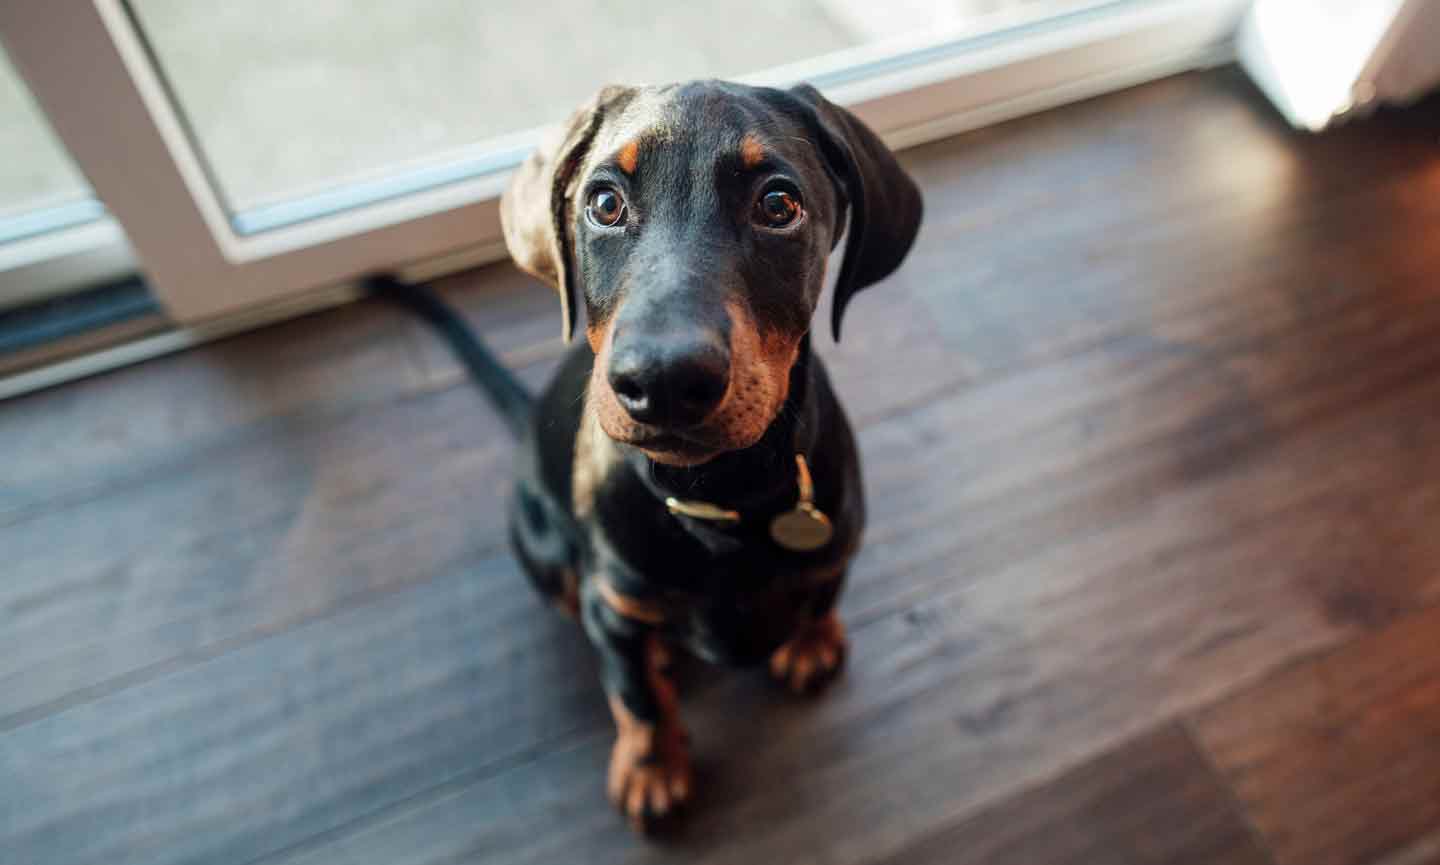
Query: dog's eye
point(606, 208)
point(778, 208)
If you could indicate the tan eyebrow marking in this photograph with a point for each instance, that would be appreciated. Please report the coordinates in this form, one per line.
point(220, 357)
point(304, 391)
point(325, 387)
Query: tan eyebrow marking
point(752, 152)
point(628, 157)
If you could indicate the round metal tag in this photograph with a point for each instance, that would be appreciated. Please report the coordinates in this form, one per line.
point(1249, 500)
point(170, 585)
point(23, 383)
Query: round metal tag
point(803, 529)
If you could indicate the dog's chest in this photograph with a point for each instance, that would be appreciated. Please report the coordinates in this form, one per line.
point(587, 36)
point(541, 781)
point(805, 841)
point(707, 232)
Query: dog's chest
point(735, 625)
point(742, 608)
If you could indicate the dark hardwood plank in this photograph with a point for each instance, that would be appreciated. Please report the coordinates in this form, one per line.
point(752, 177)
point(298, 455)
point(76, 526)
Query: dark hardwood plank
point(270, 744)
point(1338, 760)
point(1153, 801)
point(66, 443)
point(252, 535)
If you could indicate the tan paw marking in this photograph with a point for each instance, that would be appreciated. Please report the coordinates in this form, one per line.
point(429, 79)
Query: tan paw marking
point(811, 660)
point(650, 775)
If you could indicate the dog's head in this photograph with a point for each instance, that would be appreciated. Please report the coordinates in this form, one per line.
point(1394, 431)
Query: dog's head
point(697, 220)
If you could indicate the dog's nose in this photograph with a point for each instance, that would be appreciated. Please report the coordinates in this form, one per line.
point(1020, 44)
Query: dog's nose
point(672, 382)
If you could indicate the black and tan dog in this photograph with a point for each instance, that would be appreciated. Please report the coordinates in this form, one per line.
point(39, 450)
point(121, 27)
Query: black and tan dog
point(688, 479)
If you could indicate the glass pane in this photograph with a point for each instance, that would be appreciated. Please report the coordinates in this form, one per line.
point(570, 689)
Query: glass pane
point(40, 189)
point(294, 99)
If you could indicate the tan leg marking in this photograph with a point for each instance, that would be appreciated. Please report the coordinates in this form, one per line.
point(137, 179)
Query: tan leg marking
point(812, 659)
point(631, 608)
point(650, 774)
point(569, 601)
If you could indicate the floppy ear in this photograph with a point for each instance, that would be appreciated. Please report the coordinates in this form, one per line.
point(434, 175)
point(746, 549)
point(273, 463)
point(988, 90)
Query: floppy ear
point(885, 204)
point(535, 209)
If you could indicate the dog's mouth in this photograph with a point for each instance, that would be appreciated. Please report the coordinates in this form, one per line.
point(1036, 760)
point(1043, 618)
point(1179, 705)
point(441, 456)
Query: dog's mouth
point(670, 448)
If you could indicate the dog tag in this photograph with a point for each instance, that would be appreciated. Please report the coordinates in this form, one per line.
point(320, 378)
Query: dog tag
point(803, 529)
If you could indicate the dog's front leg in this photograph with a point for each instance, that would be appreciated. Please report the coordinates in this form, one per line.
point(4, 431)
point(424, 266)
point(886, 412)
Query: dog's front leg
point(650, 774)
point(814, 656)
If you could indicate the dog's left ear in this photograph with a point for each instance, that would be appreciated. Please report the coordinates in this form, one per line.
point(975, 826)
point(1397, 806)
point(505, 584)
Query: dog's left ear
point(885, 204)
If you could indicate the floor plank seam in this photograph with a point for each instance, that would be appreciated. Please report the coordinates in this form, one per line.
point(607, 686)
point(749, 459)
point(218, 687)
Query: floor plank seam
point(1319, 655)
point(1039, 781)
point(1236, 805)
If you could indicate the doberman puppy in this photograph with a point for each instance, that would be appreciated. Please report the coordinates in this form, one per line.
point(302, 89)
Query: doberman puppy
point(688, 479)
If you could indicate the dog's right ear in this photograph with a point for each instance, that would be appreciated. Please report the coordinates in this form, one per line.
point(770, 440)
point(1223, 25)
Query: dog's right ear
point(535, 210)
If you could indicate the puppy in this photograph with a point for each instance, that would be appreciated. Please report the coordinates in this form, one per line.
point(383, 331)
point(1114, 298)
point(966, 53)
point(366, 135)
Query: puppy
point(688, 480)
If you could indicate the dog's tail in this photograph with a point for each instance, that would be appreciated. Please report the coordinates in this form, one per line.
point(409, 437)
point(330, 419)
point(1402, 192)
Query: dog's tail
point(512, 401)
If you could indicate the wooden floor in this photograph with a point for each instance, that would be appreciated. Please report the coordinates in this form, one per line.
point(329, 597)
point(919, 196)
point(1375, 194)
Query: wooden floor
point(1151, 427)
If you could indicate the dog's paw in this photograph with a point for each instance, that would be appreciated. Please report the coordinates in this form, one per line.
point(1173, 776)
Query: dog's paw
point(650, 776)
point(811, 660)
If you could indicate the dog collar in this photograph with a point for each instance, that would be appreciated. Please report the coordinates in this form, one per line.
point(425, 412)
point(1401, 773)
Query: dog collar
point(803, 528)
